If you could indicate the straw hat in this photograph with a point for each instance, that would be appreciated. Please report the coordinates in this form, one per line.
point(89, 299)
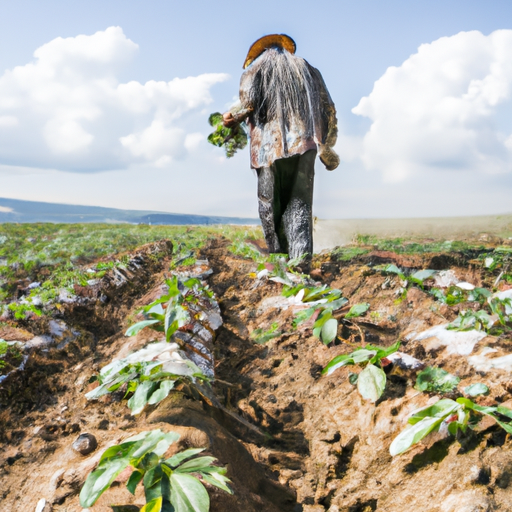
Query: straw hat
point(258, 47)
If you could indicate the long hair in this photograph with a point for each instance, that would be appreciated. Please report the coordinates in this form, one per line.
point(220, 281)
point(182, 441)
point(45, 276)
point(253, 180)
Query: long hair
point(283, 89)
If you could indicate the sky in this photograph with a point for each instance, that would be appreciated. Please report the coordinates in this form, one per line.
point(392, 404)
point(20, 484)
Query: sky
point(106, 103)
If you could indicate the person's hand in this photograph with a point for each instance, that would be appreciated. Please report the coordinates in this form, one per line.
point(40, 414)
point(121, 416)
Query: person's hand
point(228, 120)
point(328, 157)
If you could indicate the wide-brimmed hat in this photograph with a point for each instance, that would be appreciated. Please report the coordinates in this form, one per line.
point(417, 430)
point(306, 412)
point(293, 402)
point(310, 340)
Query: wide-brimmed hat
point(259, 46)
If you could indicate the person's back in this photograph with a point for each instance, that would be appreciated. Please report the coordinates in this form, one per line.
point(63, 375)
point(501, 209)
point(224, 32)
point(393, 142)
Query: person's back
point(290, 115)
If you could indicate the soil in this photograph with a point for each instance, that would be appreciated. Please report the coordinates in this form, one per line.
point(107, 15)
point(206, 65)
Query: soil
point(318, 446)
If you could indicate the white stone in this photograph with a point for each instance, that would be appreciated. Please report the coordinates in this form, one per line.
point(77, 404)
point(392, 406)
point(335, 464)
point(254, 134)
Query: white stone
point(445, 279)
point(457, 342)
point(465, 286)
point(481, 362)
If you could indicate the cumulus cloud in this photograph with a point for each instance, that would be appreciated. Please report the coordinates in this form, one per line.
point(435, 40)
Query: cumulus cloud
point(67, 109)
point(443, 109)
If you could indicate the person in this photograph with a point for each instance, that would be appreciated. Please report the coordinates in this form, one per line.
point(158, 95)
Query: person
point(291, 118)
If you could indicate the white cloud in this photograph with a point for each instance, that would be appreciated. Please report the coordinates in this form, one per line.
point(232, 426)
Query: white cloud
point(67, 109)
point(445, 108)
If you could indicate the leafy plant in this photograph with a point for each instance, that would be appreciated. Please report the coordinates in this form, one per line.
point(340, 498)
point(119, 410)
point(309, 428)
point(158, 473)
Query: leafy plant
point(21, 310)
point(358, 310)
point(456, 415)
point(278, 268)
point(323, 300)
point(436, 380)
point(417, 278)
point(179, 304)
point(149, 379)
point(260, 336)
point(371, 381)
point(245, 249)
point(502, 308)
point(476, 389)
point(469, 319)
point(232, 139)
point(169, 484)
point(455, 295)
point(497, 259)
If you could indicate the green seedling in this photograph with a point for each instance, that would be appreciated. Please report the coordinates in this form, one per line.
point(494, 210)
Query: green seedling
point(481, 320)
point(417, 278)
point(457, 415)
point(358, 310)
point(502, 308)
point(261, 336)
point(170, 484)
point(476, 389)
point(324, 301)
point(148, 382)
point(455, 295)
point(371, 381)
point(180, 302)
point(280, 269)
point(436, 380)
point(497, 259)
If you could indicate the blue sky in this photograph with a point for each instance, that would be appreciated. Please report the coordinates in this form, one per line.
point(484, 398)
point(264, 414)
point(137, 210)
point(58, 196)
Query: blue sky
point(118, 117)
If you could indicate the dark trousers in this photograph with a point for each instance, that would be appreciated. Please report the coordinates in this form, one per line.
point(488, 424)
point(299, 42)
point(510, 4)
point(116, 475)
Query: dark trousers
point(285, 196)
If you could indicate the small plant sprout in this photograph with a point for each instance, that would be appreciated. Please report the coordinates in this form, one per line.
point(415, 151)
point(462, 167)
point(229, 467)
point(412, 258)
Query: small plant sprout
point(476, 389)
point(279, 269)
point(261, 336)
point(371, 382)
point(481, 320)
point(322, 302)
point(456, 415)
point(417, 278)
point(358, 310)
point(173, 484)
point(182, 300)
point(436, 380)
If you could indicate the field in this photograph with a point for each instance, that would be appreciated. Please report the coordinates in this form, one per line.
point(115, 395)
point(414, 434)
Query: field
point(302, 385)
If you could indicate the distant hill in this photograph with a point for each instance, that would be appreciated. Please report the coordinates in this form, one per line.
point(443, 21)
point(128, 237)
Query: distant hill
point(15, 210)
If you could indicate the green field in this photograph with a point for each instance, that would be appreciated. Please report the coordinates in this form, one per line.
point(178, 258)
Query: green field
point(59, 256)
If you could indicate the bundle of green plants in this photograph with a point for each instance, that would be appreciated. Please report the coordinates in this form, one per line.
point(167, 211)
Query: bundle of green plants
point(231, 139)
point(371, 381)
point(456, 415)
point(172, 484)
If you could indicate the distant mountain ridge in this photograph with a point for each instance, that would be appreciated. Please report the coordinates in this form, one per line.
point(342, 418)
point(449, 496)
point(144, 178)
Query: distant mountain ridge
point(16, 210)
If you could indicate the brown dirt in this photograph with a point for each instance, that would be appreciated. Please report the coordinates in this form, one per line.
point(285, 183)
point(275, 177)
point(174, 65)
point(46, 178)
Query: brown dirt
point(324, 448)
